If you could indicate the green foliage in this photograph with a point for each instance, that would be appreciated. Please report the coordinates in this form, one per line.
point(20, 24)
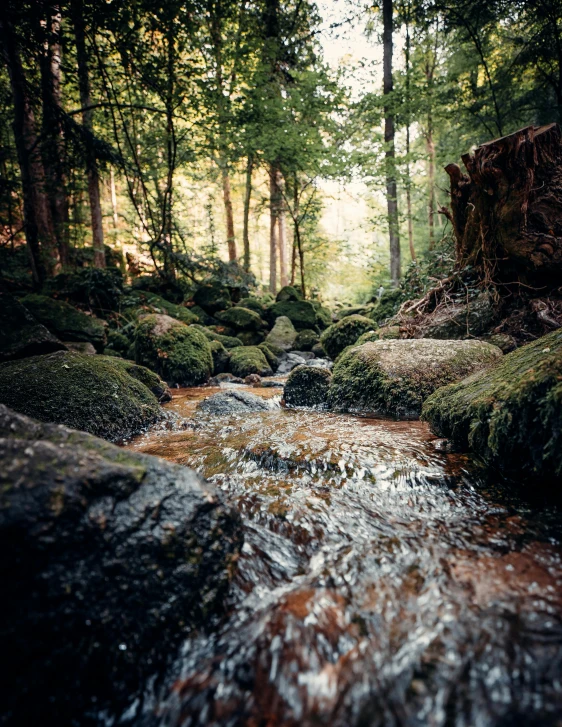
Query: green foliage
point(92, 288)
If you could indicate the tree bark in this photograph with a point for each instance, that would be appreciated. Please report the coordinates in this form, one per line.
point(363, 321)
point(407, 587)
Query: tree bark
point(282, 230)
point(407, 50)
point(38, 223)
point(87, 121)
point(232, 254)
point(507, 211)
point(431, 180)
point(390, 155)
point(114, 212)
point(247, 199)
point(295, 223)
point(273, 209)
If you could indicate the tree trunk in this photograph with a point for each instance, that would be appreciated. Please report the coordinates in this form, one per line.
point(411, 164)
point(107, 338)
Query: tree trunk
point(408, 112)
point(115, 215)
point(391, 186)
point(87, 121)
point(247, 198)
point(53, 134)
point(38, 223)
point(232, 255)
point(295, 223)
point(282, 230)
point(273, 209)
point(507, 211)
point(431, 180)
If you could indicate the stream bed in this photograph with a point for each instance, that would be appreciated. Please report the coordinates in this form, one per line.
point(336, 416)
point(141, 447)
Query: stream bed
point(383, 580)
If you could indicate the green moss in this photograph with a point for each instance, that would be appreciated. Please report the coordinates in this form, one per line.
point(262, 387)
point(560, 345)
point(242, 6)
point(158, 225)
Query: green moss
point(395, 377)
point(95, 394)
point(510, 416)
point(227, 341)
point(65, 321)
point(180, 354)
point(323, 315)
point(20, 334)
point(249, 360)
point(147, 377)
point(301, 313)
point(306, 339)
point(213, 297)
point(307, 386)
point(344, 333)
point(241, 319)
point(387, 305)
point(156, 304)
point(381, 334)
point(117, 342)
point(204, 318)
point(221, 357)
point(318, 350)
point(254, 304)
point(288, 293)
point(251, 338)
point(272, 358)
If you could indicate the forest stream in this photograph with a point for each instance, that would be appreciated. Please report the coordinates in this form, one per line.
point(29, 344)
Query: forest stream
point(383, 580)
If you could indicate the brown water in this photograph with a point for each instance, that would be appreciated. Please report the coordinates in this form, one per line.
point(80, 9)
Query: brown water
point(382, 582)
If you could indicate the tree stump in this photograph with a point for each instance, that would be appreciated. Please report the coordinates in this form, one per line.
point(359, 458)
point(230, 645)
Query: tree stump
point(507, 211)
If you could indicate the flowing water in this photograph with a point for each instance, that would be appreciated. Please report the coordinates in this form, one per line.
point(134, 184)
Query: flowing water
point(382, 580)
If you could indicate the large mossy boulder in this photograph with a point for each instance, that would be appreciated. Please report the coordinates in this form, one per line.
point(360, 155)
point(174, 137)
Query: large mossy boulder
point(180, 354)
point(151, 303)
point(306, 339)
point(227, 341)
point(147, 377)
point(307, 386)
point(109, 559)
point(288, 292)
point(212, 297)
point(249, 360)
point(20, 333)
point(282, 335)
point(254, 304)
point(241, 319)
point(344, 333)
point(221, 357)
point(395, 377)
point(301, 313)
point(96, 394)
point(511, 416)
point(65, 321)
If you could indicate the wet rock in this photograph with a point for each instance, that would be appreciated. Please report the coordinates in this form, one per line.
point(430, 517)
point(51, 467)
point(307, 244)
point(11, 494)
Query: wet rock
point(318, 350)
point(86, 349)
point(306, 339)
point(306, 355)
point(213, 298)
point(344, 333)
point(461, 320)
point(241, 319)
point(283, 334)
point(178, 353)
point(65, 321)
point(273, 356)
point(395, 377)
point(288, 292)
point(289, 363)
point(221, 357)
point(249, 360)
point(301, 313)
point(307, 386)
point(102, 395)
point(233, 402)
point(20, 334)
point(108, 559)
point(225, 378)
point(510, 416)
point(253, 380)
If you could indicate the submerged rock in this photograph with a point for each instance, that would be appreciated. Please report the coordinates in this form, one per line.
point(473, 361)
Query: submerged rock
point(20, 333)
point(307, 386)
point(396, 377)
point(102, 395)
point(344, 333)
point(510, 416)
point(283, 334)
point(233, 402)
point(249, 360)
point(65, 321)
point(178, 353)
point(109, 558)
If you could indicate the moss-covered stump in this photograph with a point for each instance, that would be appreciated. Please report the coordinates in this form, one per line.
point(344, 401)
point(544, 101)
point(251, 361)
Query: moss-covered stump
point(510, 416)
point(301, 313)
point(93, 393)
point(213, 297)
point(20, 333)
point(344, 333)
point(221, 357)
point(65, 321)
point(306, 339)
point(307, 386)
point(227, 341)
point(109, 559)
point(395, 377)
point(241, 319)
point(288, 292)
point(249, 360)
point(283, 334)
point(178, 353)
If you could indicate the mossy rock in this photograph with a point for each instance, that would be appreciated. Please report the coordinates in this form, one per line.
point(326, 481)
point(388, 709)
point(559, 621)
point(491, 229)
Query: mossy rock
point(204, 318)
point(387, 305)
point(288, 292)
point(282, 335)
point(381, 334)
point(395, 377)
point(227, 341)
point(323, 315)
point(251, 338)
point(301, 313)
point(306, 339)
point(95, 394)
point(355, 310)
point(462, 320)
point(318, 350)
point(511, 416)
point(147, 377)
point(65, 321)
point(98, 289)
point(270, 355)
point(112, 353)
point(117, 342)
point(213, 298)
point(254, 304)
point(158, 304)
point(180, 354)
point(249, 360)
point(344, 333)
point(223, 330)
point(307, 386)
point(241, 319)
point(221, 357)
point(20, 333)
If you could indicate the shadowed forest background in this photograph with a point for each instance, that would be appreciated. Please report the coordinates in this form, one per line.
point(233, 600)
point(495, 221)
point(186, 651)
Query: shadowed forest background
point(256, 138)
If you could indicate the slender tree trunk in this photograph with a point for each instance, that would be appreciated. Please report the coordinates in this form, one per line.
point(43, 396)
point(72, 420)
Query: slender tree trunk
point(53, 134)
point(431, 180)
point(391, 186)
point(38, 223)
point(168, 221)
point(408, 112)
point(114, 212)
point(301, 256)
point(247, 198)
point(232, 255)
point(282, 230)
point(87, 121)
point(295, 222)
point(273, 207)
